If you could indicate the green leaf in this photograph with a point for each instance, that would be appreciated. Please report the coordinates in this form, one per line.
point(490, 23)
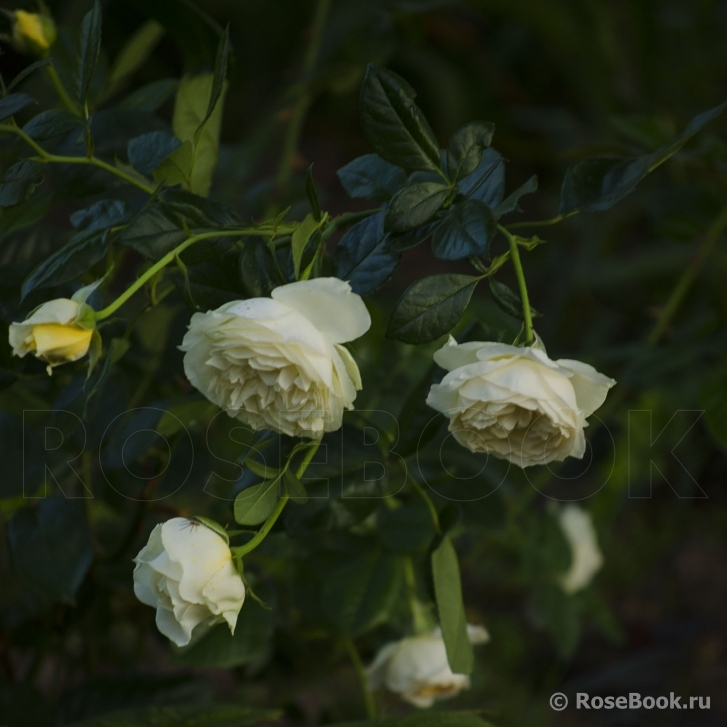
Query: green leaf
point(487, 182)
point(431, 307)
point(32, 68)
point(89, 47)
point(219, 75)
point(19, 182)
point(102, 215)
point(148, 151)
point(361, 594)
point(414, 205)
point(511, 203)
point(198, 158)
point(51, 545)
point(295, 488)
point(506, 298)
point(49, 124)
point(407, 529)
point(254, 504)
point(448, 591)
point(302, 234)
point(401, 241)
point(464, 152)
point(77, 256)
point(219, 649)
point(188, 715)
point(258, 271)
point(136, 52)
point(393, 124)
point(596, 184)
point(371, 177)
point(509, 300)
point(14, 102)
point(465, 232)
point(312, 194)
point(363, 257)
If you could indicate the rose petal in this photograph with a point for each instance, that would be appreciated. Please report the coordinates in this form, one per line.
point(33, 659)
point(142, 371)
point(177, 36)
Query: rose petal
point(329, 304)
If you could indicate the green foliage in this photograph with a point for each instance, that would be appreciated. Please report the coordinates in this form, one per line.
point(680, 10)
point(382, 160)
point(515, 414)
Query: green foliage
point(219, 649)
point(363, 256)
point(465, 232)
point(13, 103)
point(19, 182)
point(89, 48)
point(594, 185)
point(363, 593)
point(452, 619)
point(51, 545)
point(431, 307)
point(371, 177)
point(414, 205)
point(393, 124)
point(464, 152)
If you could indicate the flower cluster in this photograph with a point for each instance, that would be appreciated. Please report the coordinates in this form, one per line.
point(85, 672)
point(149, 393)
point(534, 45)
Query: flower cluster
point(280, 363)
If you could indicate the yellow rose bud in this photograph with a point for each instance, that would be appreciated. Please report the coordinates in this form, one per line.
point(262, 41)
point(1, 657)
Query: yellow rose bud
point(33, 33)
point(57, 332)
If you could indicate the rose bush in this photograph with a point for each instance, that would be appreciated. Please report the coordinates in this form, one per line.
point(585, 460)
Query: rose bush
point(282, 554)
point(186, 572)
point(515, 402)
point(279, 362)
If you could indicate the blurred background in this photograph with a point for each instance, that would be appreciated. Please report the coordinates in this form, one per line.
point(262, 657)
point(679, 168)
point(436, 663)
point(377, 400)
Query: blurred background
point(561, 80)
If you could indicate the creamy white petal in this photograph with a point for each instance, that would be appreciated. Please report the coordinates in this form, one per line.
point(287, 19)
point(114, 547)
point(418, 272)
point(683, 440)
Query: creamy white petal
point(591, 387)
point(330, 305)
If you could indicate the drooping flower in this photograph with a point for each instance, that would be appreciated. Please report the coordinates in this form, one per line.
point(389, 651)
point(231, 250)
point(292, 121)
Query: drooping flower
point(186, 572)
point(516, 403)
point(586, 557)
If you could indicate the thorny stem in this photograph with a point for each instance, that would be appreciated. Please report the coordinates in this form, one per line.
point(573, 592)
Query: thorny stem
point(361, 674)
point(47, 158)
point(687, 279)
point(279, 507)
point(171, 256)
point(517, 264)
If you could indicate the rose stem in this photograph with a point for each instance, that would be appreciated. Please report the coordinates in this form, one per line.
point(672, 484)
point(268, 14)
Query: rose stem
point(275, 514)
point(517, 264)
point(172, 254)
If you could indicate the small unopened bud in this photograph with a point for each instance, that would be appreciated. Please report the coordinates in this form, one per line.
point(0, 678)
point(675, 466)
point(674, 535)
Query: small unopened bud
point(33, 33)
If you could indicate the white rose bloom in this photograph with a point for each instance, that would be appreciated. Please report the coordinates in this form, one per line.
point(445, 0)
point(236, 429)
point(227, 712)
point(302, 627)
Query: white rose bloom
point(186, 572)
point(54, 332)
point(586, 558)
point(278, 362)
point(515, 403)
point(416, 668)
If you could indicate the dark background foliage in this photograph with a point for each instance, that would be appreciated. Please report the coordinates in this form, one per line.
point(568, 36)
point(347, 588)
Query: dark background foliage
point(561, 80)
